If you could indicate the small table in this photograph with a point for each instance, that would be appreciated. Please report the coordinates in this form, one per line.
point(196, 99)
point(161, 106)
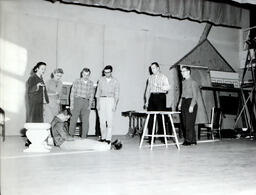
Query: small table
point(136, 121)
point(162, 113)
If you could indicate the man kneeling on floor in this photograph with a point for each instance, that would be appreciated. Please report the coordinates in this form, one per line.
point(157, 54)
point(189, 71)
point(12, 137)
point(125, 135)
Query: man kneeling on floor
point(63, 140)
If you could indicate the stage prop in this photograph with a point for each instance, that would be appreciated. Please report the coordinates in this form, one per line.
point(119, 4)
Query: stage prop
point(248, 87)
point(37, 134)
point(214, 75)
point(153, 136)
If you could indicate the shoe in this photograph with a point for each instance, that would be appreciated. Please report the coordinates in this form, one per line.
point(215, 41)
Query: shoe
point(27, 143)
point(185, 143)
point(114, 142)
point(162, 140)
point(107, 141)
point(193, 143)
point(101, 140)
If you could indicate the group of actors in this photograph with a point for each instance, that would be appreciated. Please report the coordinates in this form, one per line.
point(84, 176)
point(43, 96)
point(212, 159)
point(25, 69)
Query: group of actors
point(44, 103)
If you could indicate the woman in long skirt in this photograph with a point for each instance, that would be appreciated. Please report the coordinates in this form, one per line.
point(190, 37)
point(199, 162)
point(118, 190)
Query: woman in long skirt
point(54, 89)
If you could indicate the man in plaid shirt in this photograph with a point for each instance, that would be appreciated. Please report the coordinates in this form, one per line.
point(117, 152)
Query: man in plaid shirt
point(81, 98)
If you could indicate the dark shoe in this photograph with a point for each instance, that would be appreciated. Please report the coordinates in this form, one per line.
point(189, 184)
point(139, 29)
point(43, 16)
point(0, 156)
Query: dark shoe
point(186, 143)
point(162, 140)
point(27, 143)
point(107, 141)
point(101, 140)
point(193, 143)
point(116, 145)
point(149, 141)
point(114, 142)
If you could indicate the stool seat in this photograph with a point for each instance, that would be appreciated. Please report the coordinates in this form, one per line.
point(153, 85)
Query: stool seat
point(37, 126)
point(165, 136)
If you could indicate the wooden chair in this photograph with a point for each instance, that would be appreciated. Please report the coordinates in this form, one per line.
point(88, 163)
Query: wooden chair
point(210, 129)
point(2, 122)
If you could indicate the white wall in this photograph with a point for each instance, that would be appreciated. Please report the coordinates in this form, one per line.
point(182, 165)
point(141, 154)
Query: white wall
point(72, 37)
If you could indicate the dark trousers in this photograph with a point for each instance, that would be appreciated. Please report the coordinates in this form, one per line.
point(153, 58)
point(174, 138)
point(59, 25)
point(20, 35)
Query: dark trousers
point(188, 120)
point(157, 102)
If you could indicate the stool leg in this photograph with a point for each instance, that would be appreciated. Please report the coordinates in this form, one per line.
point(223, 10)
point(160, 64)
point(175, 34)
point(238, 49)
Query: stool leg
point(174, 132)
point(165, 139)
point(130, 125)
point(153, 132)
point(133, 126)
point(3, 131)
point(144, 130)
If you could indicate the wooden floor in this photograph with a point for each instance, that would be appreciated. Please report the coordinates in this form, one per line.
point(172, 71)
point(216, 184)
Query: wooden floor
point(222, 167)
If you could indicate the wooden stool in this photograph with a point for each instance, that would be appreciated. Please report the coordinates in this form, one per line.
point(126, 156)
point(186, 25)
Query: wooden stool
point(162, 113)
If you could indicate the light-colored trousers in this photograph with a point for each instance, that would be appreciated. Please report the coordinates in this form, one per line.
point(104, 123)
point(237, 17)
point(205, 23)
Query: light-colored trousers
point(106, 117)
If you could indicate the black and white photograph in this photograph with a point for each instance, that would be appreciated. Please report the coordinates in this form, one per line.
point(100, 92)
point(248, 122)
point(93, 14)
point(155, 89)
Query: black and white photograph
point(127, 97)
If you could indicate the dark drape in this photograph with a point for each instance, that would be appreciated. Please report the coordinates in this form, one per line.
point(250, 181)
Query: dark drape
point(216, 12)
point(245, 1)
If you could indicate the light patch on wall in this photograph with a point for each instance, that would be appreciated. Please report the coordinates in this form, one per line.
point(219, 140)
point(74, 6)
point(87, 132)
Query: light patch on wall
point(14, 58)
point(13, 93)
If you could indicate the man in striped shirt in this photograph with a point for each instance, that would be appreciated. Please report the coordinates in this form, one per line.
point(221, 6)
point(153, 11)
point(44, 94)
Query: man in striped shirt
point(157, 87)
point(107, 98)
point(81, 98)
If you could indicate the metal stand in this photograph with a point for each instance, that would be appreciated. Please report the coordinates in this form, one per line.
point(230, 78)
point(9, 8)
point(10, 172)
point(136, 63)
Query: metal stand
point(248, 94)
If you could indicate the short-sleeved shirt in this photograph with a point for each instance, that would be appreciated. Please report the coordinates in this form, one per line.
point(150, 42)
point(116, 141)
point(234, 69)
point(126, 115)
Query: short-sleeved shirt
point(108, 88)
point(158, 83)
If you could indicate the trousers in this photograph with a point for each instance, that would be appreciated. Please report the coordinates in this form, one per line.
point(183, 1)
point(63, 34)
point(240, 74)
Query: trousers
point(80, 110)
point(188, 120)
point(106, 117)
point(157, 102)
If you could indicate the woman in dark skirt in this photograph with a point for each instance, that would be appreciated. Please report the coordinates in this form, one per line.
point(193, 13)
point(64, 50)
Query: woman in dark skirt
point(188, 106)
point(37, 94)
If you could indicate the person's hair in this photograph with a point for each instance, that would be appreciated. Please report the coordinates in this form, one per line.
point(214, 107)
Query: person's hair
point(150, 69)
point(65, 111)
point(108, 67)
point(84, 70)
point(187, 68)
point(154, 63)
point(38, 65)
point(57, 70)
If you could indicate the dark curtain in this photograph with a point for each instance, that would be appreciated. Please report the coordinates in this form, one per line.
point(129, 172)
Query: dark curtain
point(245, 1)
point(218, 13)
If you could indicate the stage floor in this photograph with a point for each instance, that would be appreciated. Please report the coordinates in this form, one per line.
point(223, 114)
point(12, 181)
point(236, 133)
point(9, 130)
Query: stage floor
point(221, 167)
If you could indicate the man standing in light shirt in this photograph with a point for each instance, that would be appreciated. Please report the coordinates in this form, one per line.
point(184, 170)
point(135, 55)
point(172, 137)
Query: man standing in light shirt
point(81, 97)
point(157, 87)
point(107, 99)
